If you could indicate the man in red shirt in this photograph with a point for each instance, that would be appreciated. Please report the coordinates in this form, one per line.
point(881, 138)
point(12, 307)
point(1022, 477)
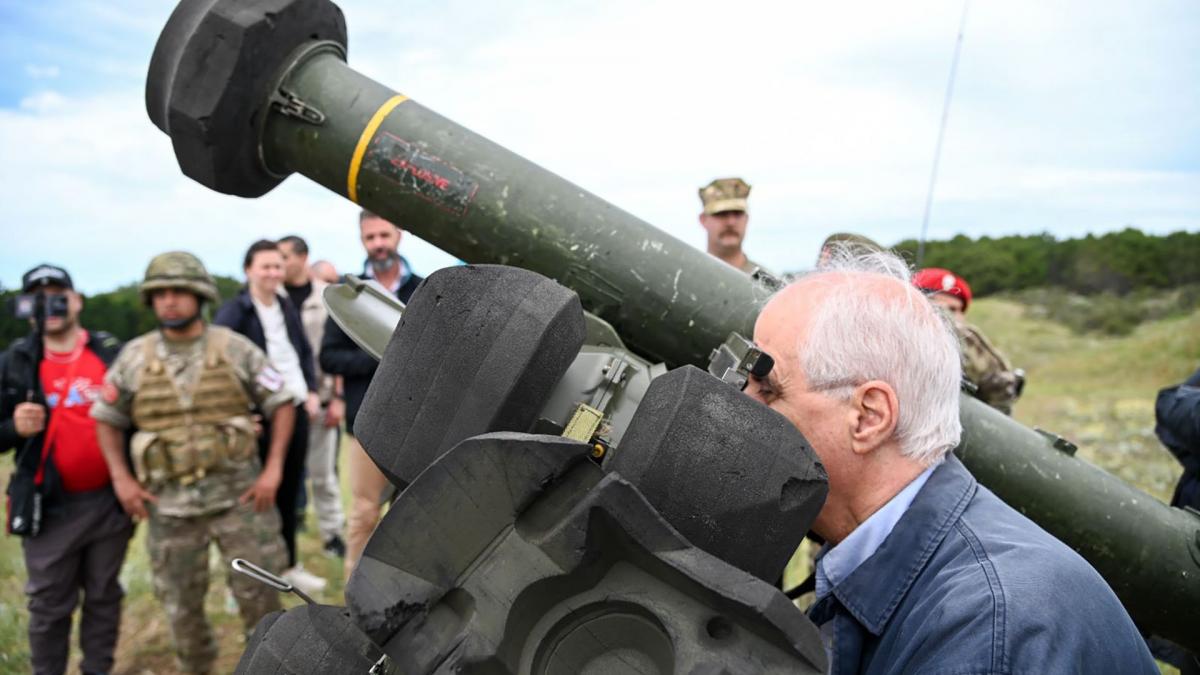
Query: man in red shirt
point(84, 532)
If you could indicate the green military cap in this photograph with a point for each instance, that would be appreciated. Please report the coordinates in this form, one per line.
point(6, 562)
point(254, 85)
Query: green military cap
point(852, 240)
point(725, 194)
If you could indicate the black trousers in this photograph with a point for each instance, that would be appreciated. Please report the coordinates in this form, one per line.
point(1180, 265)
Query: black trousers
point(80, 548)
point(293, 477)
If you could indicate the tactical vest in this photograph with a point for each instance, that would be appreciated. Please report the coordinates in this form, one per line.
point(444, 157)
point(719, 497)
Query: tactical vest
point(183, 436)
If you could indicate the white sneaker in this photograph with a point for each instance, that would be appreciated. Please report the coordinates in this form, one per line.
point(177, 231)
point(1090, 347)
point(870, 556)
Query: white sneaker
point(304, 580)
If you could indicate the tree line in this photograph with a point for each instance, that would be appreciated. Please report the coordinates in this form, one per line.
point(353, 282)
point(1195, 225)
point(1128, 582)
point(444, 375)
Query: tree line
point(1115, 263)
point(120, 312)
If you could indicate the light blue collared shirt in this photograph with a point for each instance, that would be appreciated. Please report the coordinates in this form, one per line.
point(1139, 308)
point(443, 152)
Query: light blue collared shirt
point(837, 563)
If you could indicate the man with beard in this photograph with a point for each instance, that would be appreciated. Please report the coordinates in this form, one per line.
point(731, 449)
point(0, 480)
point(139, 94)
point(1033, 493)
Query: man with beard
point(189, 389)
point(339, 355)
point(724, 218)
point(81, 543)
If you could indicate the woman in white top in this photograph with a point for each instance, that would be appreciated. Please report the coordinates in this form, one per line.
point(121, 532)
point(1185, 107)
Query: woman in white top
point(263, 313)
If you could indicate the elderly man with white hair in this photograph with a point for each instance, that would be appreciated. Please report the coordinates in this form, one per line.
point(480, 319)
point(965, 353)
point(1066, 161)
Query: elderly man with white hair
point(924, 569)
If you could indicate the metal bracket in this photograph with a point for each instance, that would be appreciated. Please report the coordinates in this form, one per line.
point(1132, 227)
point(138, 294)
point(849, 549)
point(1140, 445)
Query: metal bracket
point(291, 105)
point(614, 374)
point(1058, 442)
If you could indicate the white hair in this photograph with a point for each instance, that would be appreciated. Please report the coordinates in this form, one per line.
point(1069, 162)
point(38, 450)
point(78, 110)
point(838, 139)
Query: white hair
point(857, 333)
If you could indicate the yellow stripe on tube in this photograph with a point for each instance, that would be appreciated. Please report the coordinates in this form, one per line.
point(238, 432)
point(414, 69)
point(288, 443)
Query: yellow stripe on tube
point(365, 139)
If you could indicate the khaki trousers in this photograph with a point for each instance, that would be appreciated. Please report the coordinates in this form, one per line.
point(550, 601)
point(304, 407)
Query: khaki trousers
point(322, 474)
point(367, 485)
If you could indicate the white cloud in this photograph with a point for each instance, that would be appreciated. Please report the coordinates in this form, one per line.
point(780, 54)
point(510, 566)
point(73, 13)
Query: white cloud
point(43, 102)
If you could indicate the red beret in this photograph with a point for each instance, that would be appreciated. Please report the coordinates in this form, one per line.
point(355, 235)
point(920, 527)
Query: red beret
point(938, 280)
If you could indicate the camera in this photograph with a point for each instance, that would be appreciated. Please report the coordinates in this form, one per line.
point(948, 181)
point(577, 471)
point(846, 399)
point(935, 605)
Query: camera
point(25, 306)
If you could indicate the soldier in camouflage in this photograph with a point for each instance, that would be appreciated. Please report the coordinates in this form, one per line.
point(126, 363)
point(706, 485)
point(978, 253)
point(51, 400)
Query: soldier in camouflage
point(190, 389)
point(996, 382)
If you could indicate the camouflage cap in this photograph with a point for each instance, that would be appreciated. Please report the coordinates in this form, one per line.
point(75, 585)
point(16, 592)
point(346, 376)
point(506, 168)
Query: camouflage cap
point(843, 244)
point(725, 194)
point(178, 269)
point(852, 240)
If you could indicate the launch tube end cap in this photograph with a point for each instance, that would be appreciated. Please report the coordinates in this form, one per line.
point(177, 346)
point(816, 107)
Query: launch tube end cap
point(208, 82)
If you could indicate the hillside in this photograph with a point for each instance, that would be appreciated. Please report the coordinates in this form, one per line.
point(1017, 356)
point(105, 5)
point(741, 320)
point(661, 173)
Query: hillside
point(1098, 391)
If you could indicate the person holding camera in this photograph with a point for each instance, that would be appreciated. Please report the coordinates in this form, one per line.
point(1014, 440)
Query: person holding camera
point(61, 499)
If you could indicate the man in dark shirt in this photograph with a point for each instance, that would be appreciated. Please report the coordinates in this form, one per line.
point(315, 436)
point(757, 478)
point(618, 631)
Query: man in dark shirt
point(306, 293)
point(84, 532)
point(339, 355)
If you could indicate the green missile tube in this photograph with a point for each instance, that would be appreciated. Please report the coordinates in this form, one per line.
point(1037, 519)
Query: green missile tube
point(251, 92)
point(316, 116)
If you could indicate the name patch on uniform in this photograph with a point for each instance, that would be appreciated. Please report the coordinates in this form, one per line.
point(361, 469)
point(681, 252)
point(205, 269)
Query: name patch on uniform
point(270, 379)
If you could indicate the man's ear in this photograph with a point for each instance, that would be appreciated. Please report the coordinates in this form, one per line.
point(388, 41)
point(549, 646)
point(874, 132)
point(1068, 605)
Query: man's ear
point(876, 411)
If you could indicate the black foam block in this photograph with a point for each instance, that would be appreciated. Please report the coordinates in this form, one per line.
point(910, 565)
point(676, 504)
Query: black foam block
point(307, 639)
point(733, 476)
point(478, 349)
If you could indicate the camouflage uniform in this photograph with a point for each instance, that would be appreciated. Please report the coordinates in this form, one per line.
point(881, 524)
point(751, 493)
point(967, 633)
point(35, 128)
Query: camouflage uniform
point(196, 451)
point(998, 385)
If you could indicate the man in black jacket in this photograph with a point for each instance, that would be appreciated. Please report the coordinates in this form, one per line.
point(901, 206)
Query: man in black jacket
point(340, 356)
point(1177, 412)
point(81, 543)
point(1177, 417)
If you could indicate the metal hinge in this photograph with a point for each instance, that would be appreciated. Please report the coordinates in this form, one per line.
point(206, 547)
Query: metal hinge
point(291, 105)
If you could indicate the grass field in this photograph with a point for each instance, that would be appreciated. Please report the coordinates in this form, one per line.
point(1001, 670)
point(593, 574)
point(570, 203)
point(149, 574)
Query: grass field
point(1099, 392)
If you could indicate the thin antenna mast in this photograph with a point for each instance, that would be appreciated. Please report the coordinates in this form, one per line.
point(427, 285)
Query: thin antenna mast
point(937, 151)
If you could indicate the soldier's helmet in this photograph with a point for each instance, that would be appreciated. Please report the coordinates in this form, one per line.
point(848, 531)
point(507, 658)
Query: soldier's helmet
point(178, 269)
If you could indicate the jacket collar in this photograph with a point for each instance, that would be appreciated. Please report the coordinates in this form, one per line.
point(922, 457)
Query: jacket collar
point(246, 302)
point(872, 592)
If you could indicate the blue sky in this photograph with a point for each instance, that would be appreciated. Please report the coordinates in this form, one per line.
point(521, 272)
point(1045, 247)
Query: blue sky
point(1069, 117)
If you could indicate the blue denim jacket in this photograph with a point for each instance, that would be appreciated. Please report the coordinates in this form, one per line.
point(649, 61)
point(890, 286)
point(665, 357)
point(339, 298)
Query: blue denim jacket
point(964, 584)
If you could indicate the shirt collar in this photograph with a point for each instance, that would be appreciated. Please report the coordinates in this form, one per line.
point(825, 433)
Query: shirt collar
point(840, 561)
point(405, 273)
point(872, 590)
